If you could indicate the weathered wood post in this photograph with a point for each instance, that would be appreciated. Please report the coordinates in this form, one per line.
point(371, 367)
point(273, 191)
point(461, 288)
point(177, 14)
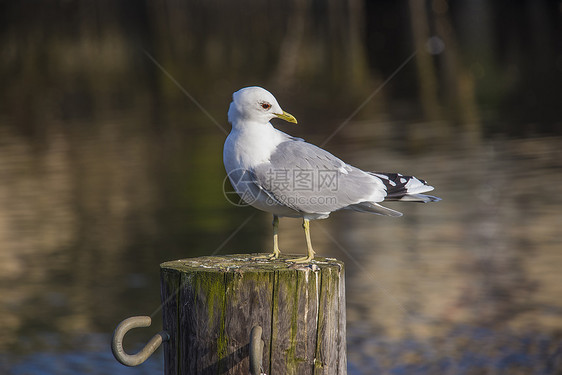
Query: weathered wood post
point(210, 305)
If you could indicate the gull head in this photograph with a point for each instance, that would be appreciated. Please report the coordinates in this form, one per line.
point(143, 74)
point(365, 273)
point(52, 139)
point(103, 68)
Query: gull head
point(255, 104)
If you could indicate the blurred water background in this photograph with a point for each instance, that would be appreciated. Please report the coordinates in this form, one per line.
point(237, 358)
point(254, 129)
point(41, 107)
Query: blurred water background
point(107, 168)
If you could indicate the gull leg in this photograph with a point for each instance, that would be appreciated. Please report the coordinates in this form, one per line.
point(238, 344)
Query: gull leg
point(276, 251)
point(310, 255)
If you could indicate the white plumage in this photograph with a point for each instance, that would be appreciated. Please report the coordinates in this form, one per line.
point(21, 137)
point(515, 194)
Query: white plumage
point(287, 176)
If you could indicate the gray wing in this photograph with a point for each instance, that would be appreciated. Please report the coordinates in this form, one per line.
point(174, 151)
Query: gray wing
point(309, 179)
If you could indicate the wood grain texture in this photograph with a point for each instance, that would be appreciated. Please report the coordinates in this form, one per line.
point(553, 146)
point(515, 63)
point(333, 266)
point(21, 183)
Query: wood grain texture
point(169, 284)
point(217, 301)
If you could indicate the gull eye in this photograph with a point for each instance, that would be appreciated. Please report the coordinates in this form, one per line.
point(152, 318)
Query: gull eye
point(265, 105)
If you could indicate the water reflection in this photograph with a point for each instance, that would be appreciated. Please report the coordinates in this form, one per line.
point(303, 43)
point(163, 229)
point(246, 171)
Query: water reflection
point(107, 169)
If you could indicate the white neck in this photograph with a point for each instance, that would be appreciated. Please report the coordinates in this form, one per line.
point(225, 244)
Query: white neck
point(251, 143)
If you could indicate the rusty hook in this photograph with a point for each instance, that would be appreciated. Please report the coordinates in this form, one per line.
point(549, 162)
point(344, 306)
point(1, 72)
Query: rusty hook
point(256, 350)
point(143, 354)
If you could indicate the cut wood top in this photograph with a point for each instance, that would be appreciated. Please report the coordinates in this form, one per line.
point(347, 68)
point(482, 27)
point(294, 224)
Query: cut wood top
point(245, 263)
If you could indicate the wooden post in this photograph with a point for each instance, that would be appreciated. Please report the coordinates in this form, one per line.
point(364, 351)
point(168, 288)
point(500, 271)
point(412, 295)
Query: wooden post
point(210, 305)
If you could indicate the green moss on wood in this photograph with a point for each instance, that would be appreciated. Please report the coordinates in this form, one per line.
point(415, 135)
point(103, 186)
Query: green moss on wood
point(227, 284)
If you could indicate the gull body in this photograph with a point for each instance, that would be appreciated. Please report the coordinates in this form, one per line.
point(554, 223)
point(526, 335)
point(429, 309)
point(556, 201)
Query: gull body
point(266, 168)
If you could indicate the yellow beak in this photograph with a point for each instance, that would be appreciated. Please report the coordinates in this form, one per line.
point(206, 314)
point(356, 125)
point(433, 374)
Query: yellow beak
point(286, 116)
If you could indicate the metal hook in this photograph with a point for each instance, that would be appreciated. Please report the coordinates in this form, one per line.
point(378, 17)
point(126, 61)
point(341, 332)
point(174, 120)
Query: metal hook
point(138, 358)
point(256, 351)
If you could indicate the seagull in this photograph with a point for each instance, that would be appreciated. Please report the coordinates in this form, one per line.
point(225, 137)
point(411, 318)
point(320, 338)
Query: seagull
point(288, 177)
